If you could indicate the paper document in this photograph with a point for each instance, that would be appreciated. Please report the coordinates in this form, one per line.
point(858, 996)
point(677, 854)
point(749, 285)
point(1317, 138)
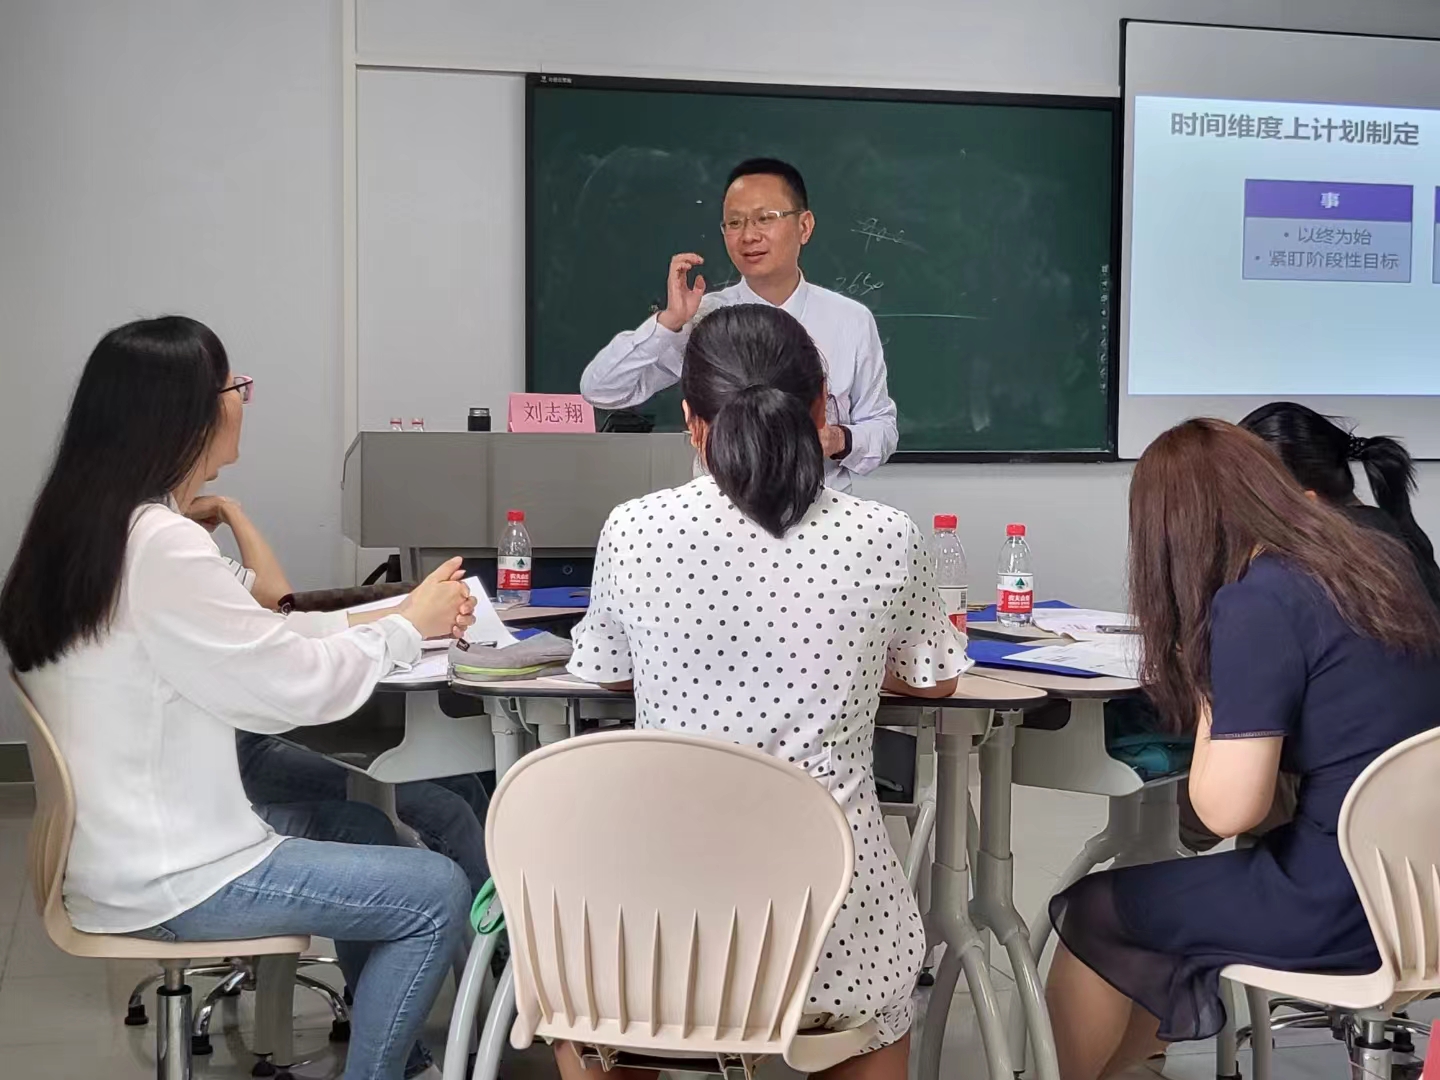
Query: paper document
point(427, 669)
point(488, 629)
point(1116, 655)
point(1079, 623)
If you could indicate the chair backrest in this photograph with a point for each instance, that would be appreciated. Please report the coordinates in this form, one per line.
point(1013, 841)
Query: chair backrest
point(665, 893)
point(53, 824)
point(1390, 836)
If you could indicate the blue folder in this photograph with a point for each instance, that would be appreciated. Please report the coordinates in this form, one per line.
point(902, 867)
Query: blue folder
point(991, 653)
point(560, 596)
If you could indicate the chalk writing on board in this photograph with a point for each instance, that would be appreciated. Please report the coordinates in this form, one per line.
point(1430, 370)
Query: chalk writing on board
point(874, 232)
point(861, 285)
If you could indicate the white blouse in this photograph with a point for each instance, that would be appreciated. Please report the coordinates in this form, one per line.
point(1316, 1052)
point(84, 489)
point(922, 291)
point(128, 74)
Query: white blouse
point(639, 363)
point(146, 717)
point(782, 645)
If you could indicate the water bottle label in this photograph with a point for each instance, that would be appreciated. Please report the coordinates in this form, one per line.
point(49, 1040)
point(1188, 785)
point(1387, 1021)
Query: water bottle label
point(1016, 595)
point(957, 608)
point(513, 572)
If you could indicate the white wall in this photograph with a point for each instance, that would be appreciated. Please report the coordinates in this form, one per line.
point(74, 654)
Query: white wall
point(1076, 514)
point(184, 155)
point(177, 156)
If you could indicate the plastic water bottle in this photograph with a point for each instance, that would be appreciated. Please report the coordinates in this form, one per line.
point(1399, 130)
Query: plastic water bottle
point(512, 584)
point(418, 424)
point(1015, 601)
point(396, 424)
point(951, 573)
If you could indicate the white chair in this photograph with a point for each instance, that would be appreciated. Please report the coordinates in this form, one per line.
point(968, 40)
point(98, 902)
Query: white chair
point(49, 851)
point(667, 898)
point(1389, 835)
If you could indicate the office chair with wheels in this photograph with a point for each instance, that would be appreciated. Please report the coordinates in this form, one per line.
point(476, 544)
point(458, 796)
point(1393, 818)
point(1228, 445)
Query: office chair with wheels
point(1390, 838)
point(50, 835)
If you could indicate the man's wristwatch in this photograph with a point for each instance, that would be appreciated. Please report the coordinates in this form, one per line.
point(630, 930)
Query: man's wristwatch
point(844, 451)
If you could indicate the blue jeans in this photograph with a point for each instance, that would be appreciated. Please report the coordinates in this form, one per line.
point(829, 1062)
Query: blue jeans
point(448, 814)
point(397, 911)
point(332, 820)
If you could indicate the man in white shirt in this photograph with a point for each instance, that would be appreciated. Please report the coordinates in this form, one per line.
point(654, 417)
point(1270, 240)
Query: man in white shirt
point(766, 221)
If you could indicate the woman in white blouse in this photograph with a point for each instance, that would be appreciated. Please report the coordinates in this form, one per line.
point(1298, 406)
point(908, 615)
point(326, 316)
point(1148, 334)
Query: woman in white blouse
point(755, 605)
point(145, 654)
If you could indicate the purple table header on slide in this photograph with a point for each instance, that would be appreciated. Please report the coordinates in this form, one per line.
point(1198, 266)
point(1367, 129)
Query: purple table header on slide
point(1320, 199)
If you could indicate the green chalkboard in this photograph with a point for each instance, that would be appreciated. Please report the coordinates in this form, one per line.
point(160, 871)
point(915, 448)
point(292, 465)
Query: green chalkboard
point(979, 229)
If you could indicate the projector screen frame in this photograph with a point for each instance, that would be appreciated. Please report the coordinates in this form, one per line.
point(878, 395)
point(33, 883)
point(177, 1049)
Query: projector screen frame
point(1330, 405)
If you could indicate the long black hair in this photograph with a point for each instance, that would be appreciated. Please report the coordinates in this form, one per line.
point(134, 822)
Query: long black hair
point(752, 373)
point(1318, 452)
point(146, 406)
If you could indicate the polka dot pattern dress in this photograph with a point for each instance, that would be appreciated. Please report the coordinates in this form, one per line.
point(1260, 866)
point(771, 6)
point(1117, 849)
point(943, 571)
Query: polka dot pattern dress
point(781, 645)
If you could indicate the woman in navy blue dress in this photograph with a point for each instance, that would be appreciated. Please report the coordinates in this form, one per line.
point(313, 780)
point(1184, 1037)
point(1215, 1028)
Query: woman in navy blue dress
point(1284, 636)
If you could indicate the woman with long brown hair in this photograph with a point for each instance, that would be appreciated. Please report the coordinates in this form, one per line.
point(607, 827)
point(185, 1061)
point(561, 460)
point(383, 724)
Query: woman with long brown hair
point(1284, 636)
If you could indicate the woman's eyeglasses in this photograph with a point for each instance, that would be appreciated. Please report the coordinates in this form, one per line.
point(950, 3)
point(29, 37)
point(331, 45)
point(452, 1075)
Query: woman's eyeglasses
point(244, 385)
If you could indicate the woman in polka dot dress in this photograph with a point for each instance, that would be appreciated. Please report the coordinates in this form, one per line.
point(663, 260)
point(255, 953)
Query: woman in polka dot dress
point(756, 606)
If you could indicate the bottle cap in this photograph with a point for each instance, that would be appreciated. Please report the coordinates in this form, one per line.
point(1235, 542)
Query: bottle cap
point(477, 411)
point(396, 420)
point(1014, 530)
point(515, 515)
point(946, 521)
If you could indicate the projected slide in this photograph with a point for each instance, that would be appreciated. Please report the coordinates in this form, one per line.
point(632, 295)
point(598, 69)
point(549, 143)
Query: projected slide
point(1283, 249)
point(1309, 230)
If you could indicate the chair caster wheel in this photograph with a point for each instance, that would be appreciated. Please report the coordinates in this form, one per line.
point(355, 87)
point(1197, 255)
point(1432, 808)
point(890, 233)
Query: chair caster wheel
point(264, 1069)
point(200, 1045)
point(135, 1016)
point(340, 1031)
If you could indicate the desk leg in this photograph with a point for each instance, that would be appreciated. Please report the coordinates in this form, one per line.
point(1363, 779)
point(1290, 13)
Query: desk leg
point(994, 905)
point(362, 787)
point(950, 902)
point(509, 732)
point(435, 744)
point(1156, 836)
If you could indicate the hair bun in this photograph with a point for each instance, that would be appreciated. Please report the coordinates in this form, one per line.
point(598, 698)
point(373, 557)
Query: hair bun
point(1357, 448)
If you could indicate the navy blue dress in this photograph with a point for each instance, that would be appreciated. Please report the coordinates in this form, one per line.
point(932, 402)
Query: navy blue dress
point(1283, 662)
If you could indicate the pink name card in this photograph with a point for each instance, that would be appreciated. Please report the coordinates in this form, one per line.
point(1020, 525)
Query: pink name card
point(551, 412)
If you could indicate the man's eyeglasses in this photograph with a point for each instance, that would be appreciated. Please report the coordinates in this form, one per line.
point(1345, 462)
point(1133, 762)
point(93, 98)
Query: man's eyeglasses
point(243, 385)
point(763, 220)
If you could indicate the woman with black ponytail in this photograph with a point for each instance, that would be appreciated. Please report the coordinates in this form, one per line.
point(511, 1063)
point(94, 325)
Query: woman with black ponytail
point(757, 606)
point(1318, 452)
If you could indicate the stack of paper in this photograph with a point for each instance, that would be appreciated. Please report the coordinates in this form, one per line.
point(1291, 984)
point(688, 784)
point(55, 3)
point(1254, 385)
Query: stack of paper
point(432, 667)
point(1116, 655)
point(1082, 624)
point(488, 628)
